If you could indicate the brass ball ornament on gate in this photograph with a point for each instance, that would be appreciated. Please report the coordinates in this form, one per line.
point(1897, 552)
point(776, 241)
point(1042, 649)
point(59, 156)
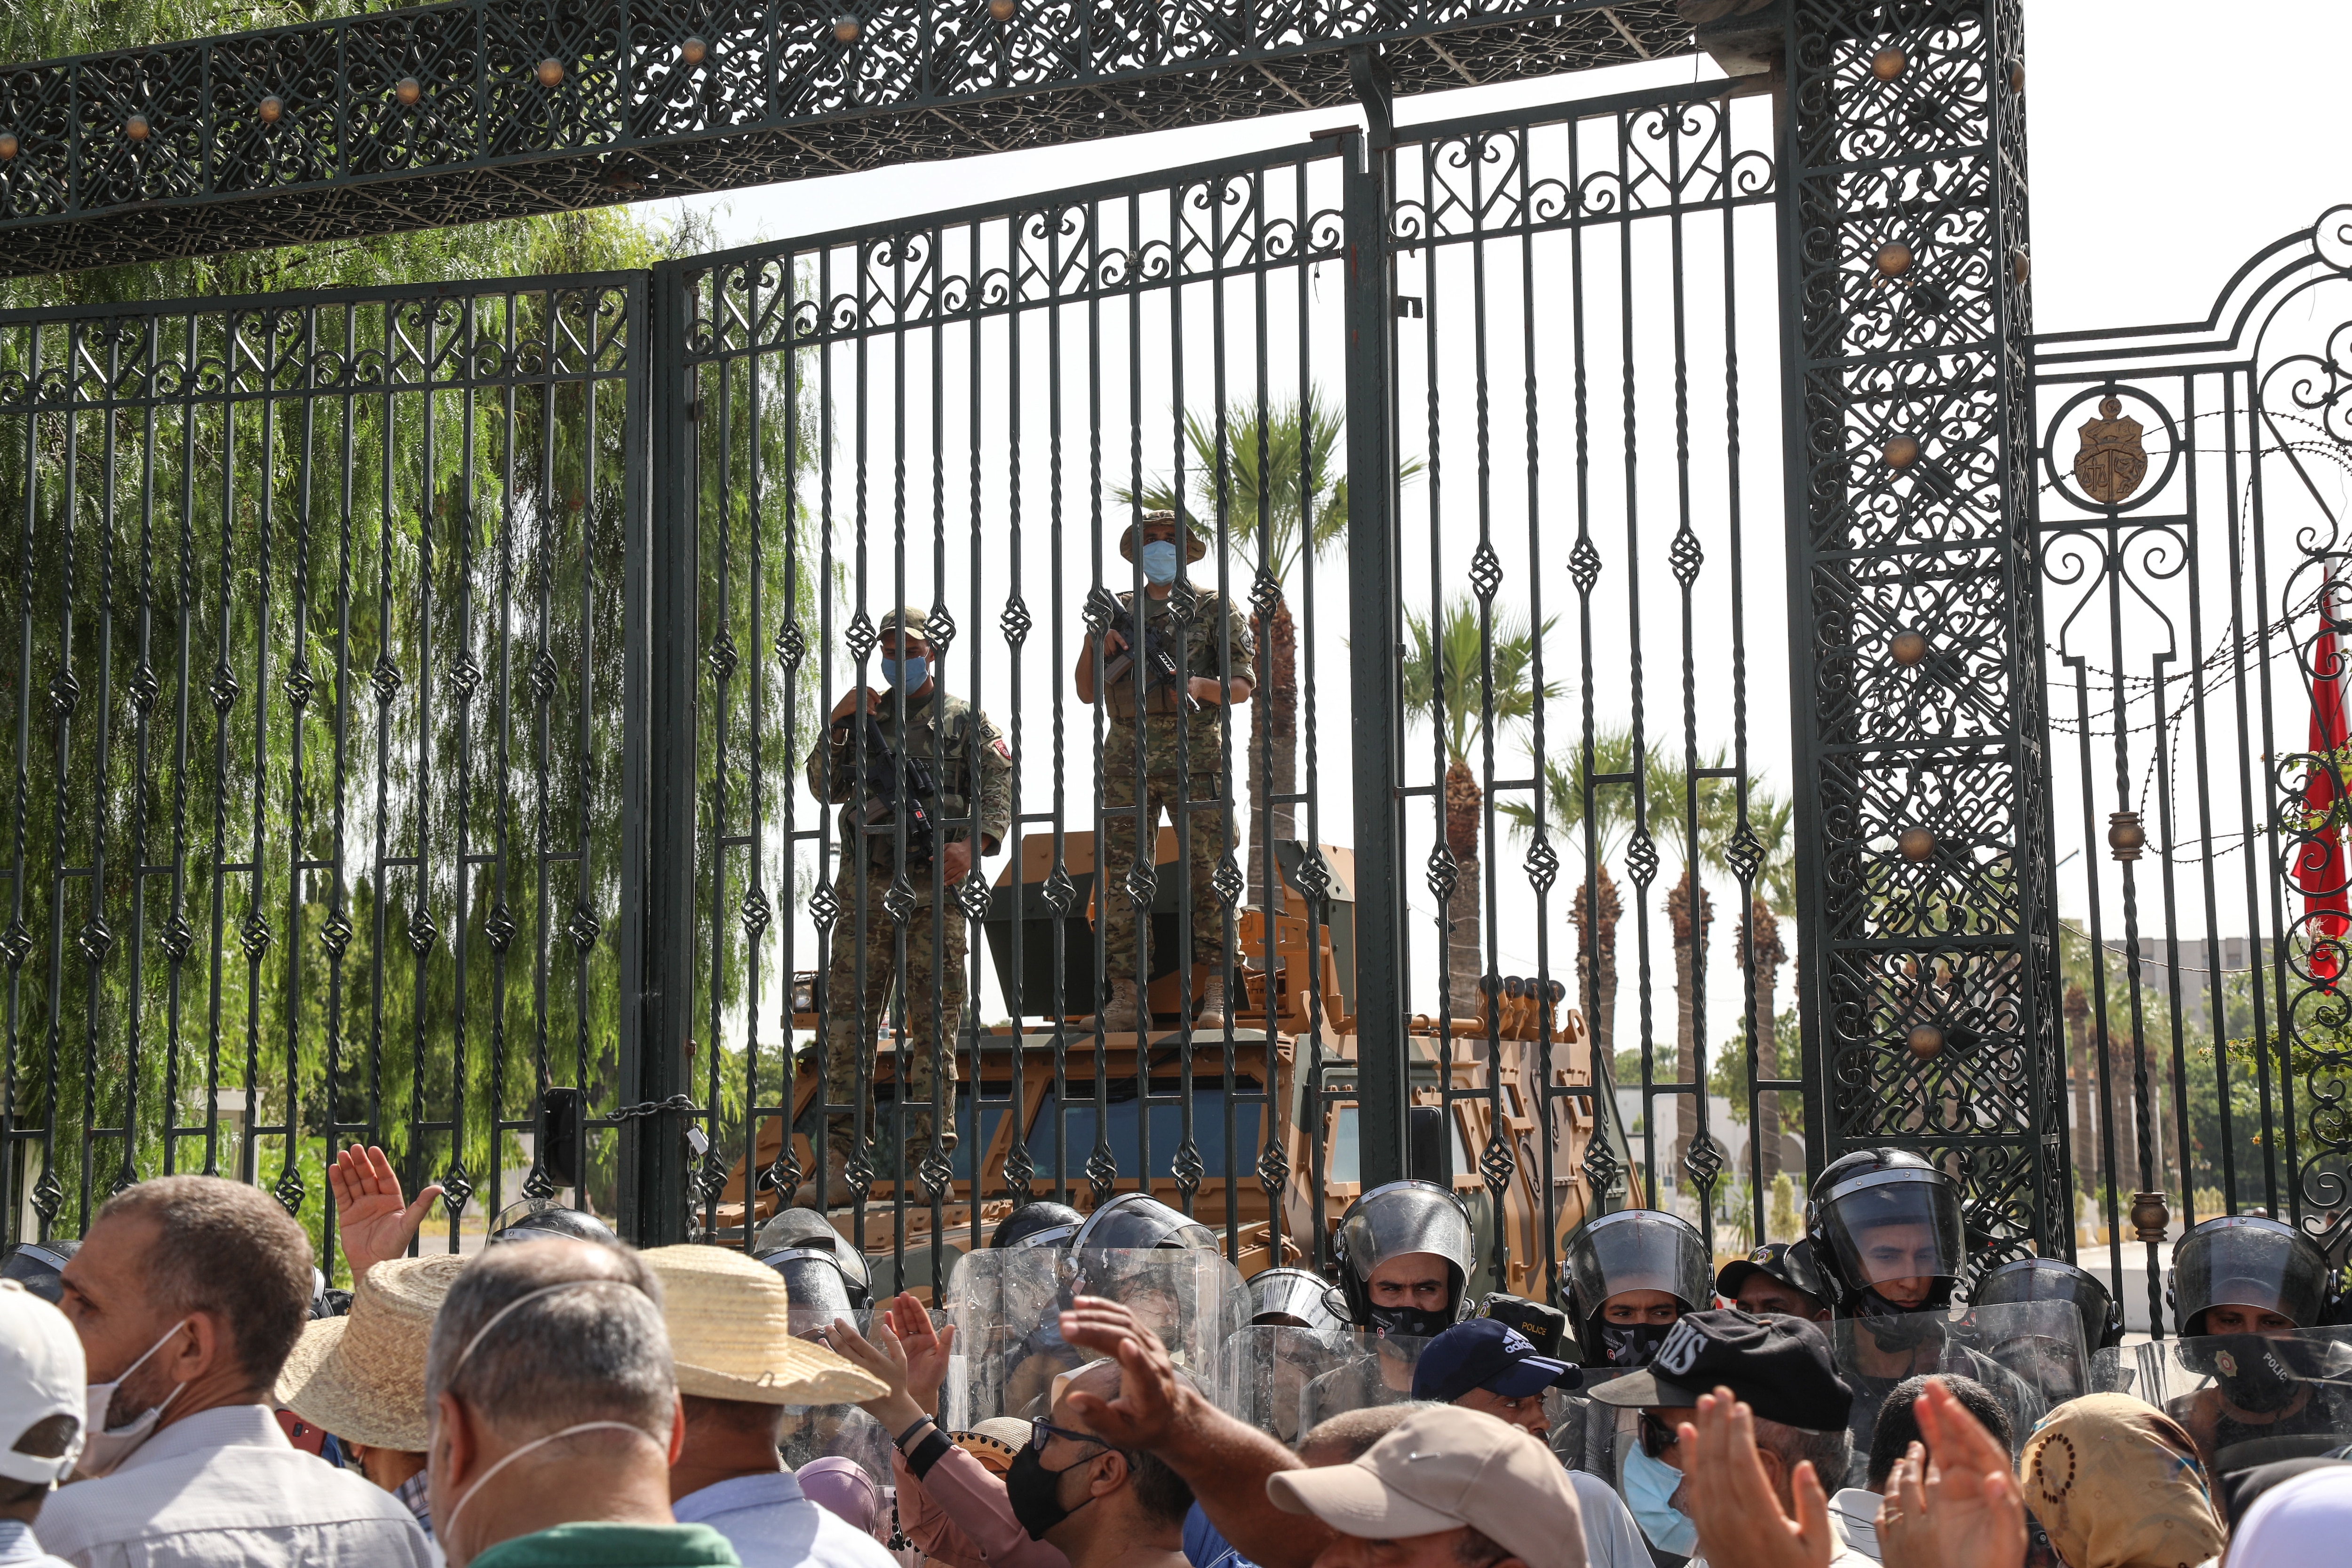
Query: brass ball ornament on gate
point(8, 146)
point(408, 90)
point(1888, 63)
point(551, 72)
point(271, 110)
point(1002, 10)
point(1906, 649)
point(137, 128)
point(1925, 1041)
point(1916, 843)
point(693, 51)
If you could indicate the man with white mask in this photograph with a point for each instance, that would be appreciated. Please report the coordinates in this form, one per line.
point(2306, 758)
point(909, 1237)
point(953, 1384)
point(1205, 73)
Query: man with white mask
point(555, 1415)
point(188, 1294)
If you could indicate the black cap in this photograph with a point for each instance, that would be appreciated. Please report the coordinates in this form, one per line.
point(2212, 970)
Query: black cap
point(1790, 1262)
point(1778, 1365)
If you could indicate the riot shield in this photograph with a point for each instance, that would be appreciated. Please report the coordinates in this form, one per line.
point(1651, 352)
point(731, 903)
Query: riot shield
point(1370, 1370)
point(1265, 1373)
point(2115, 1370)
point(815, 1431)
point(2028, 1353)
point(2253, 1399)
point(1007, 1304)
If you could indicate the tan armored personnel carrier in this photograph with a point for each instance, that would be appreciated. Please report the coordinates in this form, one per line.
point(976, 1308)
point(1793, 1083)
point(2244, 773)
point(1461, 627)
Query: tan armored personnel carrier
point(1292, 1058)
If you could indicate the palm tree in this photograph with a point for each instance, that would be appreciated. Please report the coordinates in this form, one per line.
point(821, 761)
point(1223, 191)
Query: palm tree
point(1456, 679)
point(1283, 492)
point(1771, 895)
point(1699, 834)
point(1608, 809)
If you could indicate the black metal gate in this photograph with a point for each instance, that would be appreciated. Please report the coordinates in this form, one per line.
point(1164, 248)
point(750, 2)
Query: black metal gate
point(2191, 524)
point(963, 414)
point(324, 694)
point(412, 716)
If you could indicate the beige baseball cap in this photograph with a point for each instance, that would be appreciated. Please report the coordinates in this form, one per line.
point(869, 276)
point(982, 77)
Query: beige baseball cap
point(1441, 1469)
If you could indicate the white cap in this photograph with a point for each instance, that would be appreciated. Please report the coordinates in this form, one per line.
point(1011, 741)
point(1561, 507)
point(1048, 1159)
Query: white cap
point(41, 1374)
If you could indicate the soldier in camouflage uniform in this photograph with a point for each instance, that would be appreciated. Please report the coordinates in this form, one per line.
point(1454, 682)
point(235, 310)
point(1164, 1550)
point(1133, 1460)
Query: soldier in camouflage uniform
point(957, 741)
point(1211, 645)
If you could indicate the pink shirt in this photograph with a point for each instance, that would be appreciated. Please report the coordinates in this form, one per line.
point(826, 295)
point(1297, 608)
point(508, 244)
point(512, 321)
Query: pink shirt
point(959, 1516)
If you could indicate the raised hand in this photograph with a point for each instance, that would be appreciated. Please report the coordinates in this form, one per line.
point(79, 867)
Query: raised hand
point(926, 1349)
point(883, 1357)
point(1741, 1524)
point(374, 1223)
point(1906, 1535)
point(1151, 1401)
point(1972, 1501)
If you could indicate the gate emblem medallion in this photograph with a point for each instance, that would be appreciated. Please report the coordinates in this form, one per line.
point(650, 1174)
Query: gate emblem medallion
point(2112, 461)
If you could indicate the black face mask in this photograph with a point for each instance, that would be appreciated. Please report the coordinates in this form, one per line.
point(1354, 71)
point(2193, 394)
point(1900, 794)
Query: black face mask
point(1412, 1321)
point(1035, 1493)
point(2253, 1374)
point(1632, 1344)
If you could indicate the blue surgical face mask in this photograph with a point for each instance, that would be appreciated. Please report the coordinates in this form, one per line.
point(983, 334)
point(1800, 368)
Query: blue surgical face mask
point(1160, 560)
point(1649, 1485)
point(907, 674)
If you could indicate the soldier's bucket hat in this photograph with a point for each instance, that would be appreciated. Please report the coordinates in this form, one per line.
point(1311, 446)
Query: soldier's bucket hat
point(1195, 546)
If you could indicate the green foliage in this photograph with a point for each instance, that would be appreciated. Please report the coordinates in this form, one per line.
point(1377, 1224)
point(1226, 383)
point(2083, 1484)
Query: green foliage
point(1473, 660)
point(241, 552)
point(1727, 1071)
point(1566, 794)
point(1278, 470)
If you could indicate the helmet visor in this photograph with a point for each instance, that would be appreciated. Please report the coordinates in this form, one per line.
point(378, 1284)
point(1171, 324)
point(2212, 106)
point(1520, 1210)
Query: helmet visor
point(2259, 1263)
point(2047, 1280)
point(1404, 1217)
point(1134, 1223)
point(37, 1270)
point(1895, 1224)
point(1638, 1249)
point(1295, 1298)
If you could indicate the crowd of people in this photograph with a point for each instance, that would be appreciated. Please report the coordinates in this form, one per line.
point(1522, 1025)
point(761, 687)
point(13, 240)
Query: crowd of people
point(178, 1388)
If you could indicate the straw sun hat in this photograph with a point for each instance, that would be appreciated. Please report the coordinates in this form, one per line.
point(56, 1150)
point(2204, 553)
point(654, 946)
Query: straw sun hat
point(730, 1333)
point(363, 1377)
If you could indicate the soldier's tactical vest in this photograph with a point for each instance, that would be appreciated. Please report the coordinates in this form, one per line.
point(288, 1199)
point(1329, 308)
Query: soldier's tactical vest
point(1199, 655)
point(948, 757)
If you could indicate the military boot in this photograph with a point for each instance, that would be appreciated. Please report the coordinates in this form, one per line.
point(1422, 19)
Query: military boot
point(1212, 1013)
point(1118, 1017)
point(837, 1193)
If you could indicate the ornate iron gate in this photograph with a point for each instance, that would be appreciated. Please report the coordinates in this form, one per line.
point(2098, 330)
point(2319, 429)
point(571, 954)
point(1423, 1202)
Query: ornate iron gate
point(2191, 531)
point(964, 414)
point(324, 689)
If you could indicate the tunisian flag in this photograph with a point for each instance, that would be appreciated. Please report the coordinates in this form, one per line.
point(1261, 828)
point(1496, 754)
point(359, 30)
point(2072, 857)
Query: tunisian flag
point(2319, 869)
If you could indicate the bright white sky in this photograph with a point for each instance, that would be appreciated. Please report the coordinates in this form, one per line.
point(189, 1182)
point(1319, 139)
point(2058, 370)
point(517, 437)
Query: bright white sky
point(2157, 171)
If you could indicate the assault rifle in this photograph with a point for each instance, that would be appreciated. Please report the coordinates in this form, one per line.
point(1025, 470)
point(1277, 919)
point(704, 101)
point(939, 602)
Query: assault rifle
point(903, 785)
point(1160, 670)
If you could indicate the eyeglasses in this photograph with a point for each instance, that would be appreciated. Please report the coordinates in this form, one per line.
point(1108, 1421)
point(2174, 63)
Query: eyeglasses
point(1657, 1436)
point(1042, 1432)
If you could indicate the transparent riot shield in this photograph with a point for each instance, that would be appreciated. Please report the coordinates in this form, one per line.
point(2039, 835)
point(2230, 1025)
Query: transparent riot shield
point(2253, 1399)
point(1370, 1370)
point(1006, 1306)
point(2028, 1353)
point(2115, 1371)
point(815, 1431)
point(1266, 1374)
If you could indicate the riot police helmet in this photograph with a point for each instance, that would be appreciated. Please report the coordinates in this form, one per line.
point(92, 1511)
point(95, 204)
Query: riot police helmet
point(1037, 1225)
point(822, 1271)
point(1886, 1234)
point(1651, 1264)
point(536, 1219)
point(1395, 1221)
point(2246, 1261)
point(1134, 1222)
point(1779, 1277)
point(39, 1267)
point(1295, 1298)
point(2054, 1279)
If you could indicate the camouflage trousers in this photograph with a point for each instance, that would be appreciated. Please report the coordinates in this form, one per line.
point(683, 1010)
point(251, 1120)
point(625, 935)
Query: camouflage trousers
point(861, 978)
point(1154, 792)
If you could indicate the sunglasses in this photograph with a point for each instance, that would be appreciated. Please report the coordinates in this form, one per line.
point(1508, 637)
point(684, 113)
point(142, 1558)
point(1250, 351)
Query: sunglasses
point(1042, 1432)
point(1657, 1436)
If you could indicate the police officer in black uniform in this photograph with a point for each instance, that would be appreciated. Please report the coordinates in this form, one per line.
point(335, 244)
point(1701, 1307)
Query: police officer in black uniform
point(1886, 1234)
point(2240, 1286)
point(2050, 1367)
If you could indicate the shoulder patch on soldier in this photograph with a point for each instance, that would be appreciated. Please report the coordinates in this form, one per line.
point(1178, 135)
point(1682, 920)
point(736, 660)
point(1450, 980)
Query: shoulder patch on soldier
point(1002, 748)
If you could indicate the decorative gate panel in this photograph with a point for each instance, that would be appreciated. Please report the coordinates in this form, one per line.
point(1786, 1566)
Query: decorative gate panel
point(2192, 539)
point(320, 718)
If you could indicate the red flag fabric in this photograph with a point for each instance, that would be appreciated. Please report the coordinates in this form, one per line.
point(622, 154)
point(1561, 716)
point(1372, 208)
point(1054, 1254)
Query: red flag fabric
point(2319, 869)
